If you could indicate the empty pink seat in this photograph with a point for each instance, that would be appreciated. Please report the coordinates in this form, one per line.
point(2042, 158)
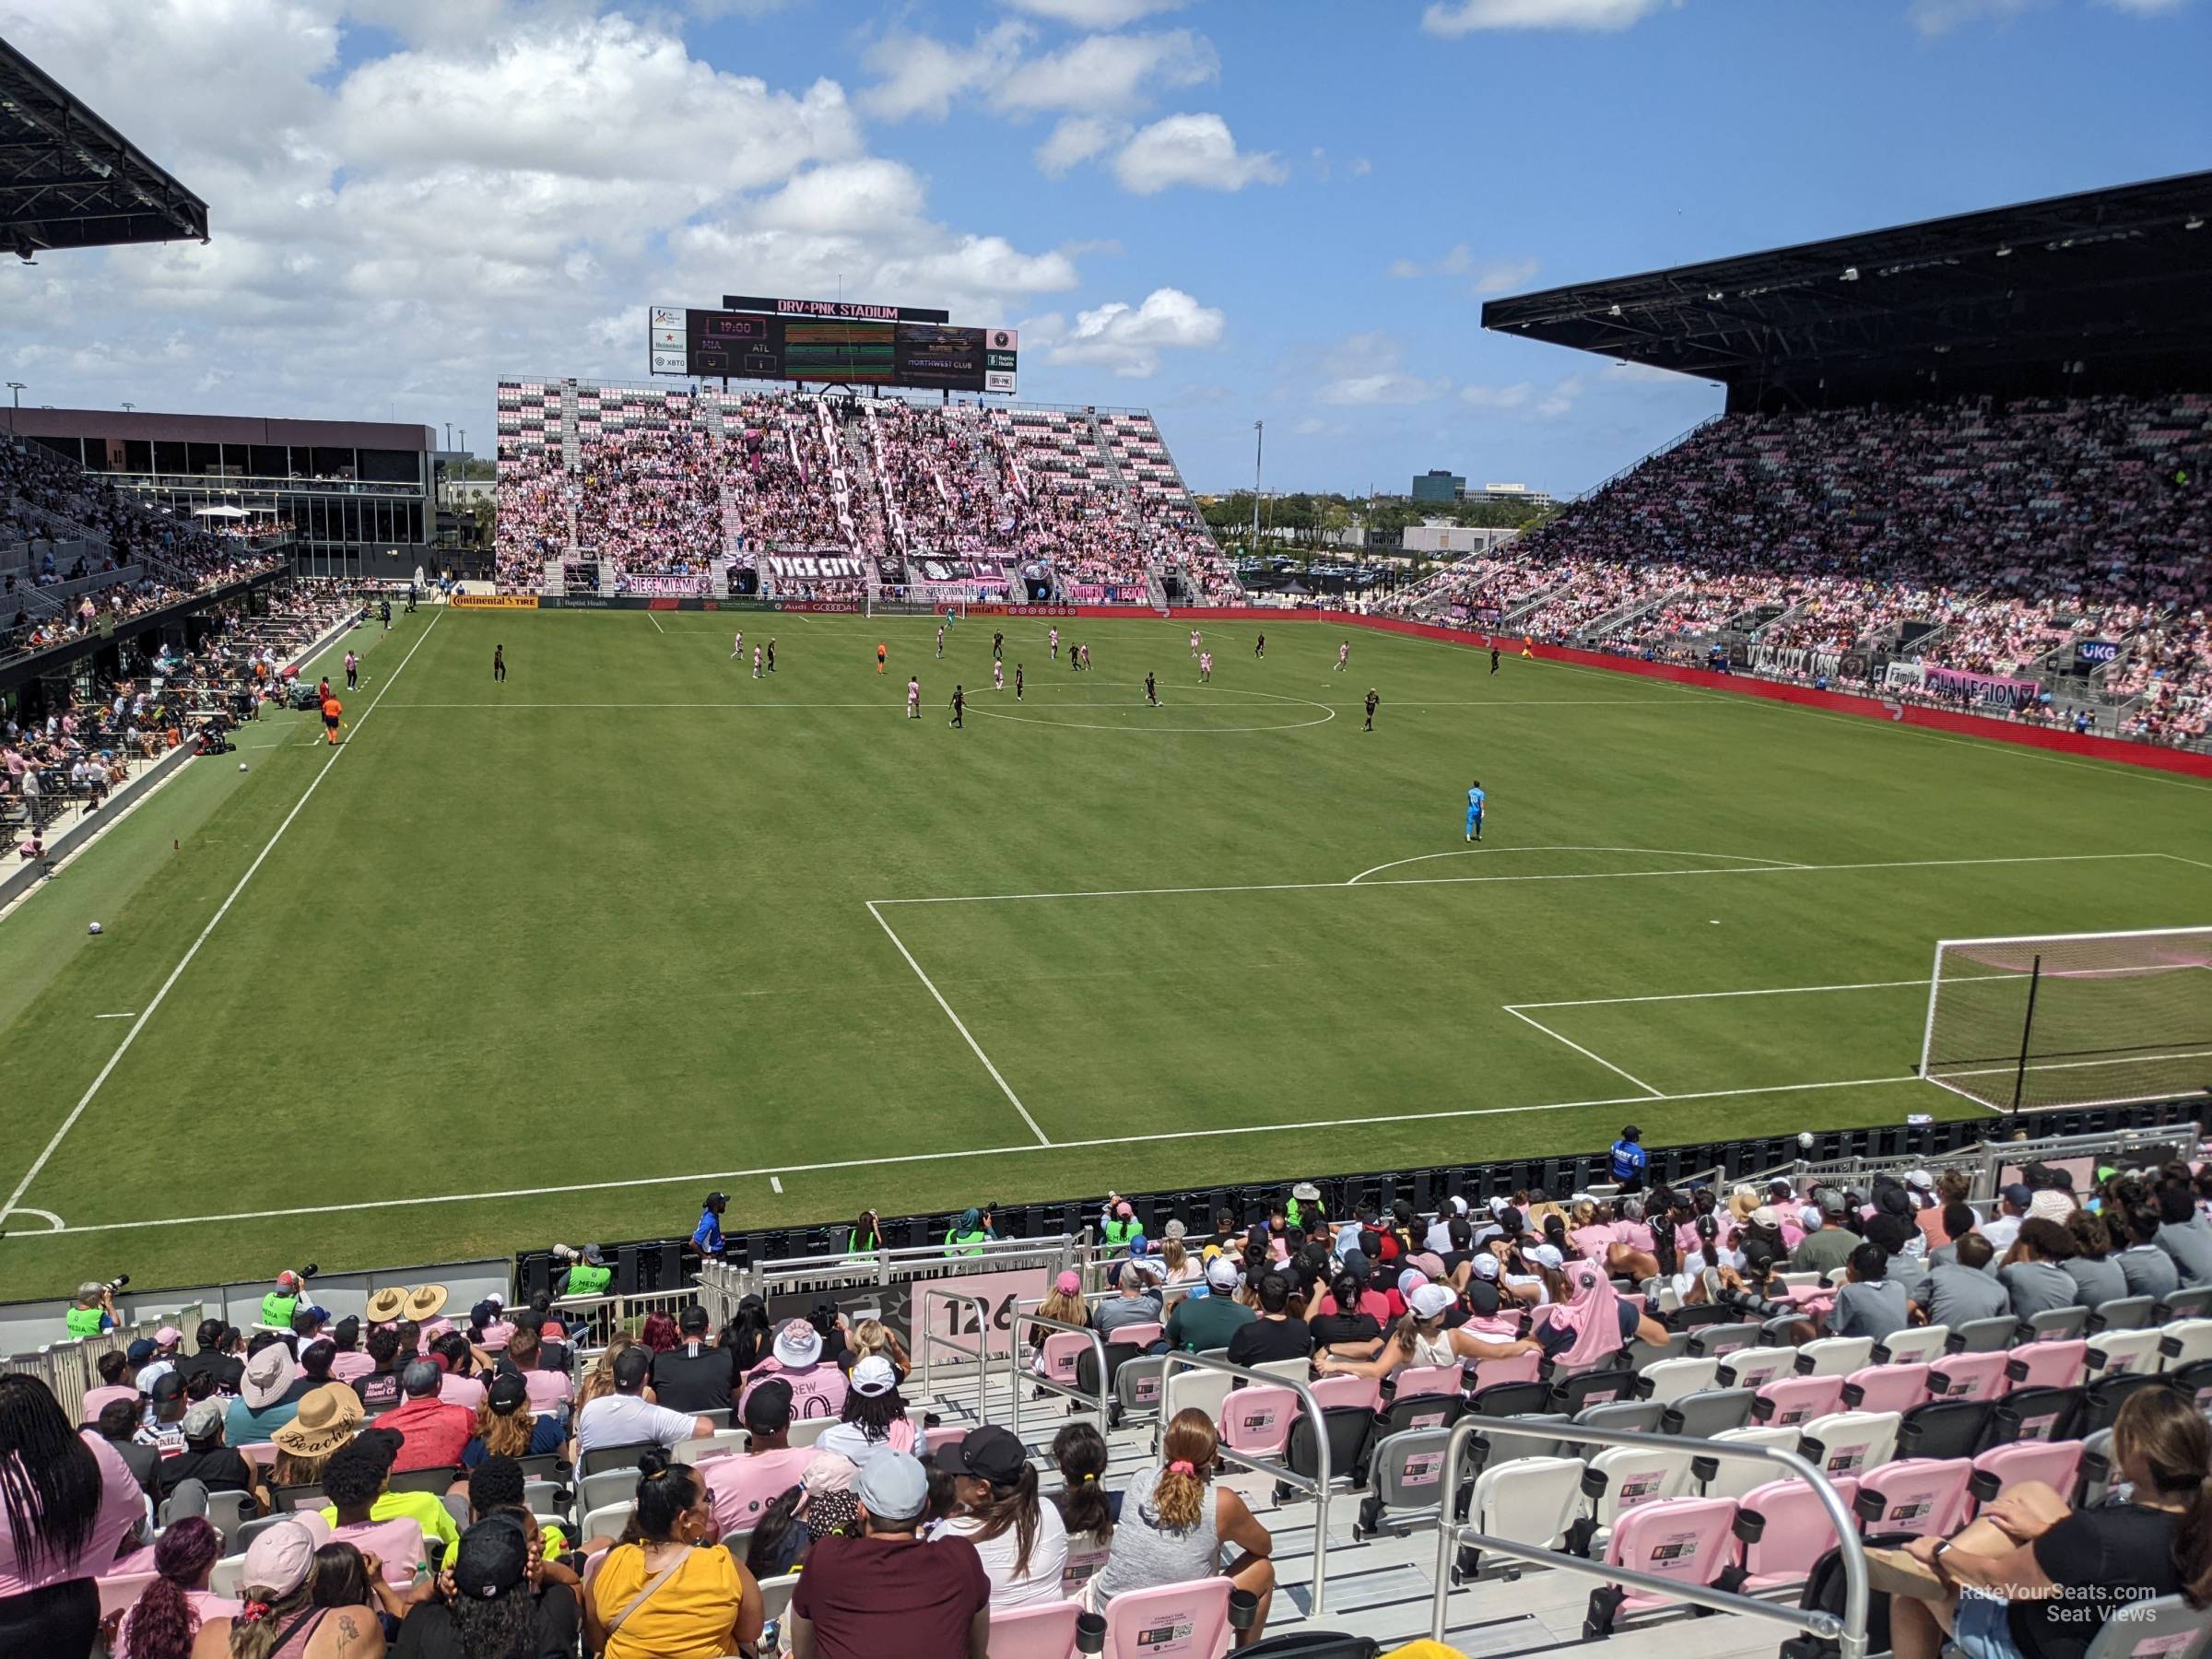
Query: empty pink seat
point(1999, 1469)
point(1046, 1631)
point(1784, 1531)
point(1362, 1392)
point(1521, 1368)
point(1061, 1351)
point(1924, 1496)
point(1687, 1540)
point(1138, 1336)
point(1183, 1619)
point(1968, 1376)
point(1256, 1421)
point(2056, 1364)
point(1886, 1387)
point(118, 1591)
point(1418, 1381)
point(1788, 1400)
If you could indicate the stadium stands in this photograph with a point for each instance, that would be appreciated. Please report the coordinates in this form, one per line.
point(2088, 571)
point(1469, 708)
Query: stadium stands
point(838, 497)
point(1605, 1463)
point(1956, 552)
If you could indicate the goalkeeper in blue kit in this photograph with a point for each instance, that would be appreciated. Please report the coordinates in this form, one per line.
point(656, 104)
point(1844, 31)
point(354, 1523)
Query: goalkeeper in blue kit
point(1475, 800)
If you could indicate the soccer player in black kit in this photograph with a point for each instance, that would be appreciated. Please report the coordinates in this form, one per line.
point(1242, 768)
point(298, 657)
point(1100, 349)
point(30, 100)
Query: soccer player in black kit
point(387, 614)
point(771, 656)
point(1151, 692)
point(1259, 647)
point(1018, 682)
point(998, 647)
point(1372, 700)
point(1493, 659)
point(499, 662)
point(959, 706)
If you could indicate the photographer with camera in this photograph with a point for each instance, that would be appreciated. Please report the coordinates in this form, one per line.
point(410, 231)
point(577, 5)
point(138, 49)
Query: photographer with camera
point(92, 1310)
point(290, 1294)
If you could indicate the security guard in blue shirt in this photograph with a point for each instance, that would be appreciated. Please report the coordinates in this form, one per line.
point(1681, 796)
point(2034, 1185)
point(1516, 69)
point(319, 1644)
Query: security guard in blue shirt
point(1629, 1160)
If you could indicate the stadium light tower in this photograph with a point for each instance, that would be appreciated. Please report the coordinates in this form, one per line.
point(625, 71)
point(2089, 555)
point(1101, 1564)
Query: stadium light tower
point(15, 390)
point(1259, 443)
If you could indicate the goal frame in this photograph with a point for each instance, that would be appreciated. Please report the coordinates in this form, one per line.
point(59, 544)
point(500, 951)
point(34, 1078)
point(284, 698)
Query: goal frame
point(1927, 1035)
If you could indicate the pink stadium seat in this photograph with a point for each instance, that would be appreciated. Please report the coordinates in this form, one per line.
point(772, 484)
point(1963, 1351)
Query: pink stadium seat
point(1046, 1631)
point(1062, 1350)
point(1788, 1400)
point(1968, 1376)
point(1256, 1421)
point(1138, 1336)
point(1521, 1368)
point(1999, 1469)
point(1182, 1619)
point(2056, 1364)
point(1784, 1531)
point(1417, 1381)
point(1684, 1539)
point(1362, 1391)
point(1924, 1496)
point(120, 1591)
point(1086, 1552)
point(1886, 1388)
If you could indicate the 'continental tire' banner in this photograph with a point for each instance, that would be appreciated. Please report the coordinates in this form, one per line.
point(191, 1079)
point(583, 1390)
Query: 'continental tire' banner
point(494, 601)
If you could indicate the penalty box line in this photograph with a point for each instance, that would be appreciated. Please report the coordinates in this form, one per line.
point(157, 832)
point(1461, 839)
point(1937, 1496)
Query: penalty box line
point(768, 1171)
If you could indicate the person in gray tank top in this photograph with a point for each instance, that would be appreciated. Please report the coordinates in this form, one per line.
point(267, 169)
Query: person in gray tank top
point(1174, 1522)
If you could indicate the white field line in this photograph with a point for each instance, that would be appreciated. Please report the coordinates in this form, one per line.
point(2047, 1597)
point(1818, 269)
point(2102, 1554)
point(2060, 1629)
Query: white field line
point(2044, 1066)
point(1780, 864)
point(960, 1026)
point(1586, 1053)
point(132, 1015)
point(138, 1025)
point(1593, 1001)
point(775, 1184)
point(1302, 886)
point(656, 623)
point(1019, 1150)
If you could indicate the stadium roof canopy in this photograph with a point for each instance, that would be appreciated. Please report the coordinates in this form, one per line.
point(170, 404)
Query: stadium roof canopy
point(69, 180)
point(2111, 289)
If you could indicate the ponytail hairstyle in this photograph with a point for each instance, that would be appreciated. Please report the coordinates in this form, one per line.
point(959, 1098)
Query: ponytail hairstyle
point(1555, 1233)
point(1011, 1508)
point(2092, 1235)
point(2163, 1429)
point(163, 1622)
point(746, 1333)
point(665, 1489)
point(1079, 1453)
point(1344, 1291)
point(253, 1634)
point(1188, 1452)
point(773, 1546)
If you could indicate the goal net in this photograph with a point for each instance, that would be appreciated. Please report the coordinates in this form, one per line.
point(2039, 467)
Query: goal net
point(2071, 1019)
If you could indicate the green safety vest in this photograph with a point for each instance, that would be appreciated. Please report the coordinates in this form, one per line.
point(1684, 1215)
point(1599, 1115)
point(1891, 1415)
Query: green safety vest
point(276, 1309)
point(85, 1322)
point(587, 1280)
point(959, 1243)
point(1119, 1233)
point(1297, 1214)
point(856, 1245)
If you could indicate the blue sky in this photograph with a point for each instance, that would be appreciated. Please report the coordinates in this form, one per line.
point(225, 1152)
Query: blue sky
point(1227, 210)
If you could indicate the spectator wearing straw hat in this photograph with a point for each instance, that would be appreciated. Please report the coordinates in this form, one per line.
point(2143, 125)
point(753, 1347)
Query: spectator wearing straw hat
point(424, 1303)
point(387, 1306)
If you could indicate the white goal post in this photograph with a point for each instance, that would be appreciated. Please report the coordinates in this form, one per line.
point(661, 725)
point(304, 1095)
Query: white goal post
point(2071, 1019)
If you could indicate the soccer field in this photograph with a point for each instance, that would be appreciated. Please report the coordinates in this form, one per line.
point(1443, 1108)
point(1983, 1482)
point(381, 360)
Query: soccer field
point(548, 958)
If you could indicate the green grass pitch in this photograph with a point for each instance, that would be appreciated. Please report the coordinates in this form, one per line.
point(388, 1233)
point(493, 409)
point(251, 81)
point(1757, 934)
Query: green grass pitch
point(545, 959)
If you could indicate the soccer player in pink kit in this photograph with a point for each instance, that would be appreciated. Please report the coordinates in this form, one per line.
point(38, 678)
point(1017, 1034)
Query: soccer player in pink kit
point(914, 698)
point(998, 675)
point(1205, 667)
point(737, 646)
point(1344, 656)
point(756, 661)
point(1054, 636)
point(1194, 641)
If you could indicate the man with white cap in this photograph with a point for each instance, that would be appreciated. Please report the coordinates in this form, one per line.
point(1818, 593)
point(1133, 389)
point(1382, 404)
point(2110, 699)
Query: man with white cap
point(1439, 1238)
point(1140, 1303)
point(1200, 1322)
point(886, 1592)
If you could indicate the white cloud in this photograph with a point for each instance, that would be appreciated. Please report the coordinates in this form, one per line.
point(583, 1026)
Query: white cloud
point(1504, 276)
point(1198, 150)
point(1451, 265)
point(395, 229)
point(1100, 74)
point(1386, 386)
point(1940, 16)
point(1095, 14)
point(1465, 17)
point(1127, 340)
point(1546, 404)
point(923, 76)
point(1077, 139)
point(1104, 73)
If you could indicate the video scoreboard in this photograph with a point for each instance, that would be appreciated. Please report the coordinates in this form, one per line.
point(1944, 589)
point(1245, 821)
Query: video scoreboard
point(835, 342)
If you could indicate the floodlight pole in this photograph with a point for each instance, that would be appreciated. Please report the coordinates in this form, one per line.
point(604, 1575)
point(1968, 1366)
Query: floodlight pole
point(16, 390)
point(1259, 445)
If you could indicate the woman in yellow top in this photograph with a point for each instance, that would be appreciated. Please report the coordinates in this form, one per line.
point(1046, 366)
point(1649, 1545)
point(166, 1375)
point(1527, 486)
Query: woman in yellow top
point(667, 1590)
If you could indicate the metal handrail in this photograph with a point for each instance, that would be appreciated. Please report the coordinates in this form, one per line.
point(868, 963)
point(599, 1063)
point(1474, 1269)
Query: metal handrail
point(1849, 1632)
point(1015, 1371)
point(924, 1335)
point(1317, 1483)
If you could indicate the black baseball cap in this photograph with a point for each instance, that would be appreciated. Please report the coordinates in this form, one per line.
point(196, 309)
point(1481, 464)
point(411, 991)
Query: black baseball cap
point(493, 1560)
point(990, 1453)
point(632, 1366)
point(767, 1407)
point(508, 1393)
point(167, 1387)
point(694, 1319)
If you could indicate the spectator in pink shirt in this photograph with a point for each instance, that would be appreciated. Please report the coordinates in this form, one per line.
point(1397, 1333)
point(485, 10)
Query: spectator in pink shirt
point(67, 1506)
